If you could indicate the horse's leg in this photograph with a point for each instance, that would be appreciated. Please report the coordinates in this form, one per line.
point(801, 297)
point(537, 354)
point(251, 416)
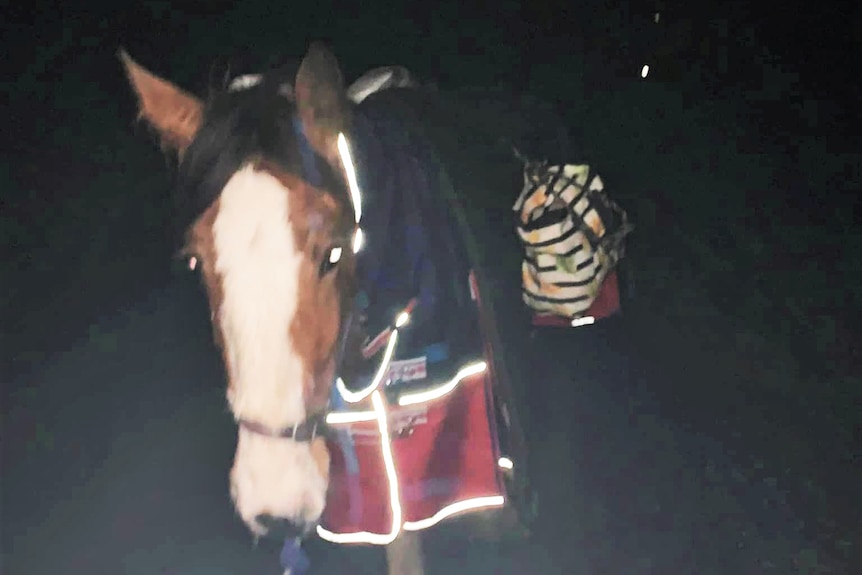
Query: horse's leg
point(404, 555)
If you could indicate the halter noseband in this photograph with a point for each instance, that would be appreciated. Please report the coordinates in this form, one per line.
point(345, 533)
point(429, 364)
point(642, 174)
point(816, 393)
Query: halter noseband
point(314, 426)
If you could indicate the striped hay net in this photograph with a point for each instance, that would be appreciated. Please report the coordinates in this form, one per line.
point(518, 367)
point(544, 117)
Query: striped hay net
point(573, 235)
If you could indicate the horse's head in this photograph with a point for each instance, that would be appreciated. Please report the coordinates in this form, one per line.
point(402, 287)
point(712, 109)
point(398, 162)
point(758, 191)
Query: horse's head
point(276, 258)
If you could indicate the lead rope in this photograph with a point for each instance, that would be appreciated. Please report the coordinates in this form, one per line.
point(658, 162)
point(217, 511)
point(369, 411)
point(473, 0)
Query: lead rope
point(294, 561)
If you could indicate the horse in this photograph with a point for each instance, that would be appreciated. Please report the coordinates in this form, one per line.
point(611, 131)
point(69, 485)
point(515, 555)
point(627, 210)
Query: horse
point(269, 211)
point(276, 259)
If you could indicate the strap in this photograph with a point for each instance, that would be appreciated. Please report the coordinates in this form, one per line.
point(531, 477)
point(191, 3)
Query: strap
point(309, 156)
point(314, 426)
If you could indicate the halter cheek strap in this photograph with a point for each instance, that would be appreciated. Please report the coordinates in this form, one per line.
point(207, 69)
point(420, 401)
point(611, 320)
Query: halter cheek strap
point(309, 156)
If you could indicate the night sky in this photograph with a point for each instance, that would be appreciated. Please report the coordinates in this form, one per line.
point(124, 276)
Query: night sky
point(738, 158)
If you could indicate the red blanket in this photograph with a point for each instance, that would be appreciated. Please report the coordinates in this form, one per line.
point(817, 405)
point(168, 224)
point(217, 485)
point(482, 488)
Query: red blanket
point(606, 304)
point(444, 461)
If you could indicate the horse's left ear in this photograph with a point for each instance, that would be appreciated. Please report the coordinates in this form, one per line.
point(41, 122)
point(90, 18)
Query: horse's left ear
point(175, 114)
point(322, 100)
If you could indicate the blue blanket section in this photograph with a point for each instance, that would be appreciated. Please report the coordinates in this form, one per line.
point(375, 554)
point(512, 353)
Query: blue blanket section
point(403, 220)
point(410, 249)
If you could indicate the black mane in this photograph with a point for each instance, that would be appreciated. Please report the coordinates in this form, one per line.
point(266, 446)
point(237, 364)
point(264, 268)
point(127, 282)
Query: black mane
point(240, 126)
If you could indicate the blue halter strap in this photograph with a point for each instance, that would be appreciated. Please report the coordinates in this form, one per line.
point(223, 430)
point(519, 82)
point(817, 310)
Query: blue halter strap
point(293, 558)
point(309, 157)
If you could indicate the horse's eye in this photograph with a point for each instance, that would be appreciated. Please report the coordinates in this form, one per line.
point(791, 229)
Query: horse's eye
point(185, 264)
point(333, 256)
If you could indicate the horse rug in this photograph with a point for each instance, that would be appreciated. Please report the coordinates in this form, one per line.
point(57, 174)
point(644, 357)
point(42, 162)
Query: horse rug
point(429, 446)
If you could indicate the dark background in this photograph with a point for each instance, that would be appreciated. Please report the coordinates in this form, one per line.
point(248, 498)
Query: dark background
point(738, 158)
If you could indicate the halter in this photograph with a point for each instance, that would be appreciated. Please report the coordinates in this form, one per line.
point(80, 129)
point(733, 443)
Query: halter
point(313, 426)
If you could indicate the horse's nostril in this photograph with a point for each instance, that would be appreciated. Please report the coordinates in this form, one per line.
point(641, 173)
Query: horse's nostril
point(281, 527)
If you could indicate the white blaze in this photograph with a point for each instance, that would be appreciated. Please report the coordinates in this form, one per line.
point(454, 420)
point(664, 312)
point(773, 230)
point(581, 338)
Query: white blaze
point(259, 265)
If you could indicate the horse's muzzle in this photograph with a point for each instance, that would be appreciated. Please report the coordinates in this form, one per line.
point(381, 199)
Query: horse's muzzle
point(282, 528)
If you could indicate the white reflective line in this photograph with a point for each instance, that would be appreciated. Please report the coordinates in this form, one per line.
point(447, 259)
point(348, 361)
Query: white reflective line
point(244, 82)
point(382, 371)
point(342, 417)
point(586, 320)
point(449, 510)
point(395, 501)
point(402, 319)
point(645, 71)
point(440, 391)
point(347, 160)
point(358, 240)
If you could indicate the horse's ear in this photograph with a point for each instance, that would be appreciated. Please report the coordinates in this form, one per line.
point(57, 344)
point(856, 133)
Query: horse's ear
point(175, 114)
point(322, 100)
